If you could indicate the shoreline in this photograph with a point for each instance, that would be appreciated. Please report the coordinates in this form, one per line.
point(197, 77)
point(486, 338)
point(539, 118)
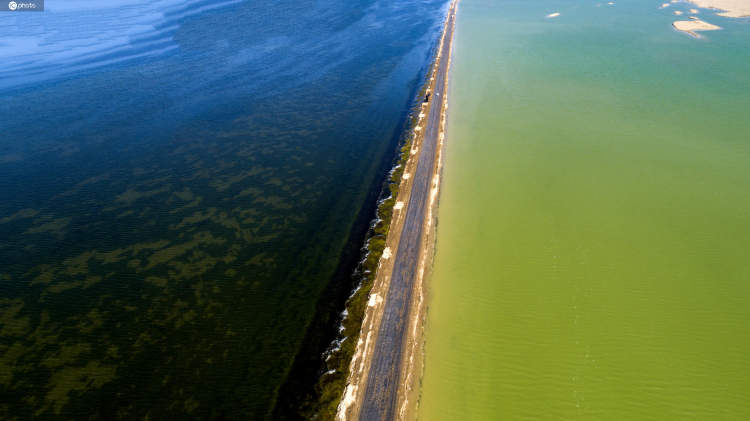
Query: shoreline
point(401, 398)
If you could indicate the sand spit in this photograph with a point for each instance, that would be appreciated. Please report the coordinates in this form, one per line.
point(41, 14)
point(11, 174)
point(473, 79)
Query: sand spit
point(351, 402)
point(692, 27)
point(729, 8)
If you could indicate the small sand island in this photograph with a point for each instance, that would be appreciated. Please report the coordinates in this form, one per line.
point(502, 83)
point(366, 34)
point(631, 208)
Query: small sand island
point(692, 27)
point(553, 15)
point(730, 8)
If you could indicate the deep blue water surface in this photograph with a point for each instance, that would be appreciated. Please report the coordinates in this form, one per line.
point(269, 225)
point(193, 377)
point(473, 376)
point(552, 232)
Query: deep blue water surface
point(178, 180)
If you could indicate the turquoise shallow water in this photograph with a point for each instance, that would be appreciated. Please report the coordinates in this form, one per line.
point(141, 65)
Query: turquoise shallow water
point(593, 225)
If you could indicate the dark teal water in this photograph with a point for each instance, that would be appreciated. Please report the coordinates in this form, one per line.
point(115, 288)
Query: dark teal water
point(178, 182)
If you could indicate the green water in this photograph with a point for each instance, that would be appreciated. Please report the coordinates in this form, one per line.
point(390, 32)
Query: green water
point(594, 224)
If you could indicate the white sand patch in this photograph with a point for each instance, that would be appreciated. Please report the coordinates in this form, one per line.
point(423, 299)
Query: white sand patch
point(368, 341)
point(418, 129)
point(398, 206)
point(387, 253)
point(692, 27)
point(678, 12)
point(694, 11)
point(406, 176)
point(664, 5)
point(346, 401)
point(730, 8)
point(421, 115)
point(374, 300)
point(553, 15)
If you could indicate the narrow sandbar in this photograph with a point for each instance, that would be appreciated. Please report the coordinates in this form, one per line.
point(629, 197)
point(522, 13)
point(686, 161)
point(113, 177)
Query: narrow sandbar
point(692, 27)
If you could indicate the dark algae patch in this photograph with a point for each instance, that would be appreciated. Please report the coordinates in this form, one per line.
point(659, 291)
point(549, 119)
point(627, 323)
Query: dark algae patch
point(169, 224)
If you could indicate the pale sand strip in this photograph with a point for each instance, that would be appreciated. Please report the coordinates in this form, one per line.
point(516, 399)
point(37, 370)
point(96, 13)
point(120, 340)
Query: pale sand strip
point(731, 8)
point(414, 368)
point(693, 26)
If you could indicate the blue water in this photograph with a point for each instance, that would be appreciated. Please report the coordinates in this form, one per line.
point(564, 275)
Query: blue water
point(178, 181)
